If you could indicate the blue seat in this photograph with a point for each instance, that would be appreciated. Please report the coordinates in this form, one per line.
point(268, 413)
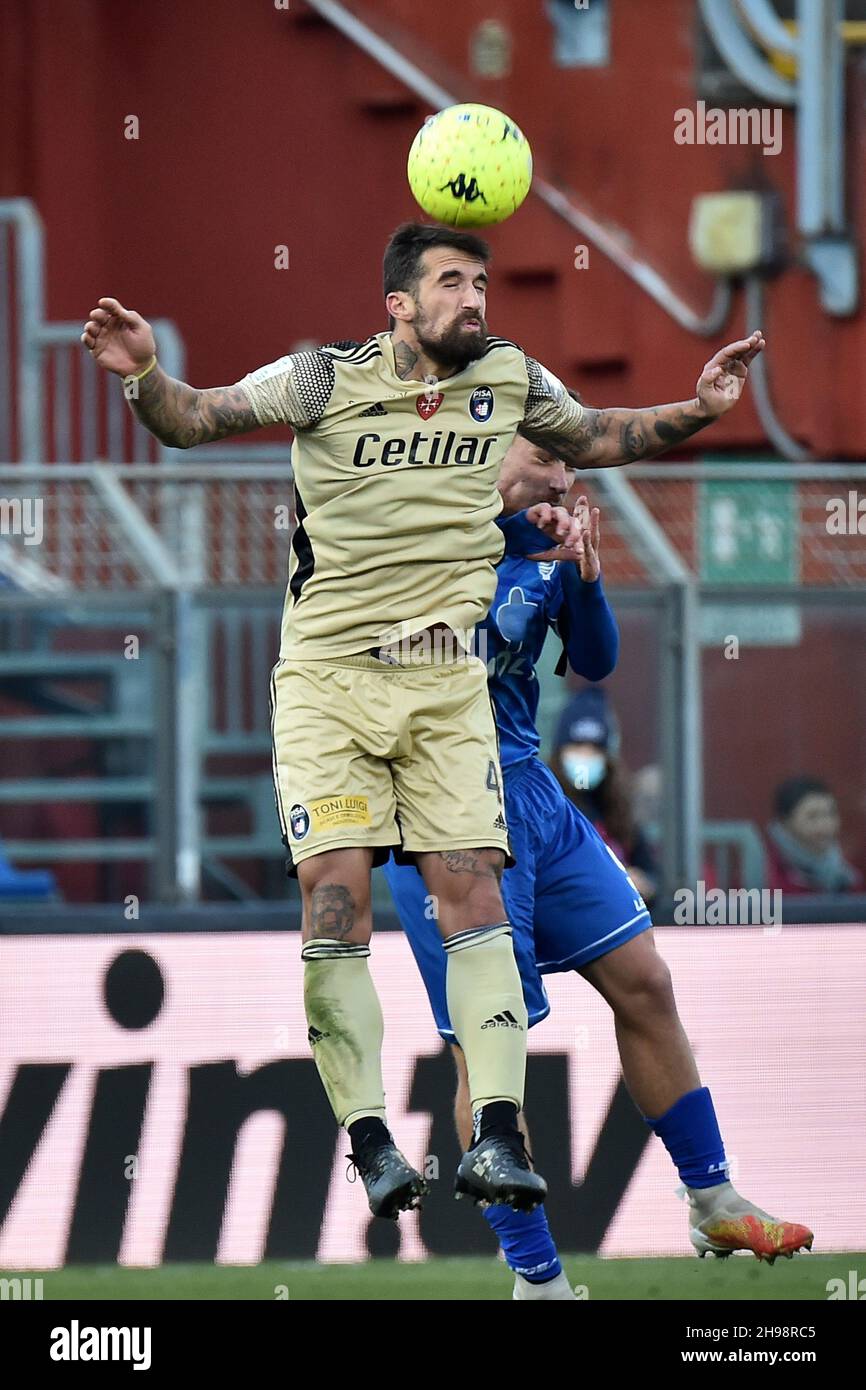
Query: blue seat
point(25, 884)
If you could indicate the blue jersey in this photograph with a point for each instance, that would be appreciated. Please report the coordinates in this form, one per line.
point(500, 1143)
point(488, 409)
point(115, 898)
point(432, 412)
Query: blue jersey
point(568, 899)
point(533, 596)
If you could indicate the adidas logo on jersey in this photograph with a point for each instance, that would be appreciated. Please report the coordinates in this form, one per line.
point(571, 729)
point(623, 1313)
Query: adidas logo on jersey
point(377, 409)
point(500, 822)
point(503, 1020)
point(314, 1036)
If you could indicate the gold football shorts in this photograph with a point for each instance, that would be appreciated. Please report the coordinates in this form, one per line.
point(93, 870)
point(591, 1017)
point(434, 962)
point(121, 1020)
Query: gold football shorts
point(381, 755)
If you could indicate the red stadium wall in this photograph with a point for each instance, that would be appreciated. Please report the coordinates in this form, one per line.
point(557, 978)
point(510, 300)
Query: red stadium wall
point(261, 127)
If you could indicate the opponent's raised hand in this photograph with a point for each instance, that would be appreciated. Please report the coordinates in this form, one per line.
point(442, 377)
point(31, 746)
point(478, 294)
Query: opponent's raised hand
point(557, 523)
point(590, 519)
point(583, 545)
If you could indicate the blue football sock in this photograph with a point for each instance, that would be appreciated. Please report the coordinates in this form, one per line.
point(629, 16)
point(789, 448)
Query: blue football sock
point(690, 1133)
point(526, 1242)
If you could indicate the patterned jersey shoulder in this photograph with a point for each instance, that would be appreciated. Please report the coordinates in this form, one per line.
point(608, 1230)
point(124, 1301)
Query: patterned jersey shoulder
point(297, 389)
point(553, 416)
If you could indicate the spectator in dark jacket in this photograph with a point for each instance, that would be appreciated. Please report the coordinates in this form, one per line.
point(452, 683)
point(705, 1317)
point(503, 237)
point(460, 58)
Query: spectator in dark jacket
point(803, 849)
point(586, 762)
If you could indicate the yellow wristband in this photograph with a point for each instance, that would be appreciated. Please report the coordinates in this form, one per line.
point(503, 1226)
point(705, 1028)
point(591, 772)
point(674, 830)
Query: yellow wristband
point(149, 368)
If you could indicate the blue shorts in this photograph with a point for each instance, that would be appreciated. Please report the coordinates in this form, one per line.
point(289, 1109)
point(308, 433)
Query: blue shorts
point(568, 898)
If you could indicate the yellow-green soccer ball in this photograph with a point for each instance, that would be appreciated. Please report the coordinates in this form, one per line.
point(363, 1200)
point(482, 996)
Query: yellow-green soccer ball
point(470, 166)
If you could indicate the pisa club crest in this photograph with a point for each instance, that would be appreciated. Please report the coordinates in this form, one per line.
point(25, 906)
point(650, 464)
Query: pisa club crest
point(299, 820)
point(481, 404)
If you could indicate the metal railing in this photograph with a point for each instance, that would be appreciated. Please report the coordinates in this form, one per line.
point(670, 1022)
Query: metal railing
point(63, 407)
point(113, 529)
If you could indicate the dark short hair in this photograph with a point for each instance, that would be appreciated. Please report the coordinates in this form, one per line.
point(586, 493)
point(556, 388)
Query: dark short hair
point(789, 794)
point(401, 268)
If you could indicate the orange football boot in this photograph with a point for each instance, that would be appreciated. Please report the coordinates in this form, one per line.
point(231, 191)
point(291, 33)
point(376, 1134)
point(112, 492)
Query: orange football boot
point(721, 1221)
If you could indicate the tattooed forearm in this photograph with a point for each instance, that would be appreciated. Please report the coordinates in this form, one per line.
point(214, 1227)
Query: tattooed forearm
point(332, 911)
point(647, 433)
point(671, 424)
point(632, 441)
point(607, 437)
point(674, 431)
point(481, 863)
point(181, 416)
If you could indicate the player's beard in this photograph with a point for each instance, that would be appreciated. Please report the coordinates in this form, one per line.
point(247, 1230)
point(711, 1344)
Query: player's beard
point(455, 347)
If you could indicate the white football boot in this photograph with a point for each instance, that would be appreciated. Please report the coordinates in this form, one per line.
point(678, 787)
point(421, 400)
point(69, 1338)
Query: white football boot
point(558, 1288)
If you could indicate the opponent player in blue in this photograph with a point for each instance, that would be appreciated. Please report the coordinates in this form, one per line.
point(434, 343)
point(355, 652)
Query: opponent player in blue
point(571, 903)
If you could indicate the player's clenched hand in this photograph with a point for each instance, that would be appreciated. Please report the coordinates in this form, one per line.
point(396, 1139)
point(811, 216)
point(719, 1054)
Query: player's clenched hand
point(721, 383)
point(119, 339)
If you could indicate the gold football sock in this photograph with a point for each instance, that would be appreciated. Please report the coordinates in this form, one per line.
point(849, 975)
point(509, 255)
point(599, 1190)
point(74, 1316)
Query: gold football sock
point(345, 1027)
point(485, 1003)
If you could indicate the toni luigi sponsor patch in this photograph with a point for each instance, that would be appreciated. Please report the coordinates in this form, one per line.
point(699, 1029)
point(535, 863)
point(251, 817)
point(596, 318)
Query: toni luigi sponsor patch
point(337, 812)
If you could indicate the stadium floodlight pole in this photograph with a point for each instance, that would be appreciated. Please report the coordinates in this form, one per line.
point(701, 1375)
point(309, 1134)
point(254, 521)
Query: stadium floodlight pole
point(611, 242)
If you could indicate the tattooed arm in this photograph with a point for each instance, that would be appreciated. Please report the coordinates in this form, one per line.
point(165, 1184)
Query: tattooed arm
point(586, 438)
point(605, 438)
point(181, 416)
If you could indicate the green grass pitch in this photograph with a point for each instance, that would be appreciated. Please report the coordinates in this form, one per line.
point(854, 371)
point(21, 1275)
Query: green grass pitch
point(741, 1277)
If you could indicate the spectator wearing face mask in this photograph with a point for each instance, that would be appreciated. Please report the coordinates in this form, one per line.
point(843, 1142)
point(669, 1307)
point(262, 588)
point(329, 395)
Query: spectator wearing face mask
point(804, 855)
point(586, 762)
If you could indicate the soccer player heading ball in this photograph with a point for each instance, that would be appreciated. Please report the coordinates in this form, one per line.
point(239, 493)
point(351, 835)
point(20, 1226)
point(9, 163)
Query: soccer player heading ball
point(383, 731)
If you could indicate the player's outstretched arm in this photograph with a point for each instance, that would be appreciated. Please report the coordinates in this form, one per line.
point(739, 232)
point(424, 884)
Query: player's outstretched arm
point(604, 438)
point(121, 341)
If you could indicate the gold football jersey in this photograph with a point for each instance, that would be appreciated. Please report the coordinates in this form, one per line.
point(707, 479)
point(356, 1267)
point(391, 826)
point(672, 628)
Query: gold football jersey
point(395, 487)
